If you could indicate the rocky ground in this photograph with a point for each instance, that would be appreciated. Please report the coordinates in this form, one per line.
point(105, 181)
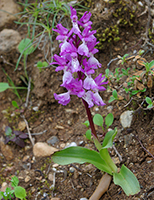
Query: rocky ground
point(60, 126)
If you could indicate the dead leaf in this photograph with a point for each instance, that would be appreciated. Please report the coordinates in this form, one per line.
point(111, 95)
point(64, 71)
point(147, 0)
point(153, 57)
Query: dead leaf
point(42, 149)
point(139, 85)
point(150, 81)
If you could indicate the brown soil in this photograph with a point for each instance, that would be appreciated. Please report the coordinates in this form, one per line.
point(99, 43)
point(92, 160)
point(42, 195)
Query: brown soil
point(83, 181)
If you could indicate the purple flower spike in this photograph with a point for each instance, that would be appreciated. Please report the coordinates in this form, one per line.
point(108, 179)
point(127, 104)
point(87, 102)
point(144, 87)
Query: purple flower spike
point(77, 49)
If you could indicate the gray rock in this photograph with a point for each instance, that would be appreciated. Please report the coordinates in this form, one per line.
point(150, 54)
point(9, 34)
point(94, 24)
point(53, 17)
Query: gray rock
point(10, 8)
point(9, 39)
point(126, 118)
point(53, 140)
point(83, 199)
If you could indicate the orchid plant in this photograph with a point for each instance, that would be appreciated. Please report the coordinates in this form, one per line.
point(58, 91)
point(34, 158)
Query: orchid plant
point(77, 49)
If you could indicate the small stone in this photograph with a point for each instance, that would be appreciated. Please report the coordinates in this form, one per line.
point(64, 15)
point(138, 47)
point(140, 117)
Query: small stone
point(53, 140)
point(55, 165)
point(42, 149)
point(36, 108)
point(83, 199)
point(59, 127)
point(128, 139)
point(50, 177)
point(27, 148)
point(25, 158)
point(62, 145)
point(116, 160)
point(27, 179)
point(6, 150)
point(76, 174)
point(126, 118)
point(9, 39)
point(22, 125)
point(109, 108)
point(72, 144)
point(88, 168)
point(55, 198)
point(71, 169)
point(140, 3)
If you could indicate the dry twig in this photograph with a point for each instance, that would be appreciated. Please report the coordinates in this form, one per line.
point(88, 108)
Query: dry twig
point(102, 187)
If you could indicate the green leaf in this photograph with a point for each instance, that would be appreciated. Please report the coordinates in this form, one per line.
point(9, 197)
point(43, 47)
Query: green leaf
point(109, 119)
point(8, 131)
point(4, 86)
point(148, 100)
point(20, 192)
point(80, 155)
point(25, 46)
point(151, 64)
point(45, 64)
point(149, 106)
point(111, 99)
point(14, 181)
point(98, 120)
point(127, 180)
point(1, 195)
point(86, 123)
point(14, 103)
point(115, 94)
point(109, 137)
point(107, 72)
point(88, 134)
point(134, 92)
point(106, 156)
point(39, 64)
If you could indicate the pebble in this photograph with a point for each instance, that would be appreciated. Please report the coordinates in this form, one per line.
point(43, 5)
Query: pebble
point(71, 169)
point(109, 108)
point(25, 158)
point(9, 39)
point(72, 144)
point(62, 145)
point(55, 198)
point(42, 149)
point(128, 139)
point(55, 165)
point(126, 118)
point(50, 177)
point(22, 125)
point(140, 3)
point(27, 179)
point(36, 108)
point(83, 199)
point(11, 8)
point(6, 150)
point(53, 140)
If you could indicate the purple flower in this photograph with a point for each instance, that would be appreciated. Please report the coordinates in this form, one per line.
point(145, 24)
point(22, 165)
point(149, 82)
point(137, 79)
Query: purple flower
point(88, 98)
point(99, 81)
point(62, 31)
point(63, 99)
point(97, 99)
point(84, 20)
point(59, 61)
point(83, 49)
point(89, 83)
